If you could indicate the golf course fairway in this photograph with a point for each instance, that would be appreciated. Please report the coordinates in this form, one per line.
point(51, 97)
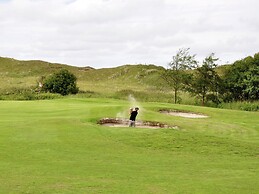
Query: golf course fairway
point(56, 146)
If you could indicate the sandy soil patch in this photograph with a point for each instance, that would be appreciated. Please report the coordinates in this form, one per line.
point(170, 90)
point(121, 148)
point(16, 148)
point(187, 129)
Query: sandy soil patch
point(119, 122)
point(184, 114)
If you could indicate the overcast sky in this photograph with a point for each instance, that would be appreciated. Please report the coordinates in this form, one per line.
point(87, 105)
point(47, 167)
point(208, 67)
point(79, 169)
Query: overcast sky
point(110, 33)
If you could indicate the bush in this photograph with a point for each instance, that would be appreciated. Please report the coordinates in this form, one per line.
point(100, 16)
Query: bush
point(62, 82)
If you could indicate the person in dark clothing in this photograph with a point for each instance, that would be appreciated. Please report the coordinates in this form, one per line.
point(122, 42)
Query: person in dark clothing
point(133, 116)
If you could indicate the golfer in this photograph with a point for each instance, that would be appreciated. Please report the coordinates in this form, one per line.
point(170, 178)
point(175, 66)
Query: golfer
point(133, 116)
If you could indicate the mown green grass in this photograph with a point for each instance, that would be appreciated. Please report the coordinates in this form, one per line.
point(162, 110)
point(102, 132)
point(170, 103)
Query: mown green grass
point(56, 146)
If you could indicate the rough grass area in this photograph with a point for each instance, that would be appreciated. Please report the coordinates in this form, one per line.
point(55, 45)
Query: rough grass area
point(56, 146)
point(247, 106)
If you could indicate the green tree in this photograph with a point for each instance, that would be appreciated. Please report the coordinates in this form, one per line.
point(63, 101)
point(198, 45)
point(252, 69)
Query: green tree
point(251, 82)
point(176, 73)
point(206, 81)
point(242, 79)
point(62, 82)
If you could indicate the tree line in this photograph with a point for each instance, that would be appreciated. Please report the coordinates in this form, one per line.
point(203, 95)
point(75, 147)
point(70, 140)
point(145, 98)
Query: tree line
point(238, 82)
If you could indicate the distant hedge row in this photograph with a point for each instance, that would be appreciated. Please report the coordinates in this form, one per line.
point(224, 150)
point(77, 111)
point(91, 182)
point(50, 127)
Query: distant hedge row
point(26, 94)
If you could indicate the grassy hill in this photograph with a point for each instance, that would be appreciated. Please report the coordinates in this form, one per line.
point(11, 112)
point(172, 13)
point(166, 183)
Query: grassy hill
point(127, 77)
point(138, 79)
point(16, 73)
point(22, 74)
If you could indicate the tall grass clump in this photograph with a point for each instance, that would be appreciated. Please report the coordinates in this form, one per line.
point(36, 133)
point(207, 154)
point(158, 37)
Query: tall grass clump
point(241, 105)
point(89, 94)
point(26, 94)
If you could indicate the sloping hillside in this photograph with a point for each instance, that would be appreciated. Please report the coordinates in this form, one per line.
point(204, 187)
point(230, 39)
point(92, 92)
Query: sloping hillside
point(22, 74)
point(25, 74)
point(133, 77)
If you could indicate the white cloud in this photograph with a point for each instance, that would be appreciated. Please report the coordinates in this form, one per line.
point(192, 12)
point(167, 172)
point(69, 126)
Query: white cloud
point(106, 33)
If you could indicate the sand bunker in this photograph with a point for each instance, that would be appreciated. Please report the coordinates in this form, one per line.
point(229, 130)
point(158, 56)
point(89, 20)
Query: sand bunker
point(183, 114)
point(121, 122)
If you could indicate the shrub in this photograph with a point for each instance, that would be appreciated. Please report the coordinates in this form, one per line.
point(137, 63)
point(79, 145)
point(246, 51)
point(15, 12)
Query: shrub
point(62, 82)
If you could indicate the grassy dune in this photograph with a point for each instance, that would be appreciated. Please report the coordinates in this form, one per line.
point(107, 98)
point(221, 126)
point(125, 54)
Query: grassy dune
point(19, 78)
point(24, 74)
point(56, 146)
